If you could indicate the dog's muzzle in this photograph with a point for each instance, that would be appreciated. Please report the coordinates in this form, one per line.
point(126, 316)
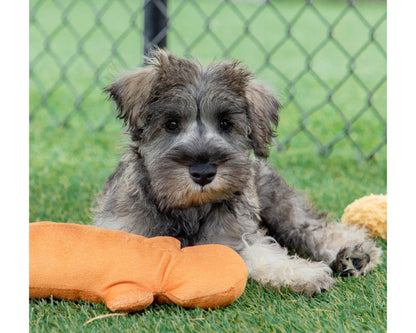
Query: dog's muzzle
point(202, 174)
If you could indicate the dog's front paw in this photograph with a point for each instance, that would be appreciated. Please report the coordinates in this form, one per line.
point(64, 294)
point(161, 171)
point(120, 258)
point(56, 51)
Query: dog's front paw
point(356, 260)
point(312, 279)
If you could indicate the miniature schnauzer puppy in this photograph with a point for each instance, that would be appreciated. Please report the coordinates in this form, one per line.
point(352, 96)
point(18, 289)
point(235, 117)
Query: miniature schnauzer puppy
point(195, 170)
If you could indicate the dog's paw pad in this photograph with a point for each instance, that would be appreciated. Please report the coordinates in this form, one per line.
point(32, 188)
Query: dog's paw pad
point(351, 261)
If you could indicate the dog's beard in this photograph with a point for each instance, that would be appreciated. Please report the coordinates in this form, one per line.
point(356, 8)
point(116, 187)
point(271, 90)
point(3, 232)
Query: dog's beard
point(174, 188)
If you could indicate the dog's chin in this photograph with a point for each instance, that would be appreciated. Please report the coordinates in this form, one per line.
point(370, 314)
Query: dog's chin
point(203, 195)
point(194, 195)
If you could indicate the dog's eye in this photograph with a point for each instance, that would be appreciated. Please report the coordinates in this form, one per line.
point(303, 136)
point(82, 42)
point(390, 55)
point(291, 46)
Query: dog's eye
point(225, 125)
point(172, 125)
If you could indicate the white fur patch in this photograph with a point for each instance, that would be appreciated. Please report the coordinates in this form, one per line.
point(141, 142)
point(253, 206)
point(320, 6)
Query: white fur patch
point(269, 263)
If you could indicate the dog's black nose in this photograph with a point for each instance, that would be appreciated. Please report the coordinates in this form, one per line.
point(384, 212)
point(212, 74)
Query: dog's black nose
point(202, 174)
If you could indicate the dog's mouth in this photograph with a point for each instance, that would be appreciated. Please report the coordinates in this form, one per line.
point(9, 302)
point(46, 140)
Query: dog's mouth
point(207, 193)
point(191, 194)
point(180, 185)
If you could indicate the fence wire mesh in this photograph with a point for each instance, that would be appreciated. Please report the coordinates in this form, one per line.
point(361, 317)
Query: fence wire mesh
point(325, 59)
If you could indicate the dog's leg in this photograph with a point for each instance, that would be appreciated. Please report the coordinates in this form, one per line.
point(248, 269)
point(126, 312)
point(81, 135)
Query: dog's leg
point(294, 223)
point(269, 263)
point(236, 224)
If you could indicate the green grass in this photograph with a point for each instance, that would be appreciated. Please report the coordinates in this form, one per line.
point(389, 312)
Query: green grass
point(68, 166)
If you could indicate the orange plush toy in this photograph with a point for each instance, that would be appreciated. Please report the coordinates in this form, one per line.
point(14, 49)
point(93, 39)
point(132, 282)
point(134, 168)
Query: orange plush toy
point(129, 272)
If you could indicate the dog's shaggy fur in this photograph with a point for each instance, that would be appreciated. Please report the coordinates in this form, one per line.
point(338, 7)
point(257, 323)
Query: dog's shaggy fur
point(189, 173)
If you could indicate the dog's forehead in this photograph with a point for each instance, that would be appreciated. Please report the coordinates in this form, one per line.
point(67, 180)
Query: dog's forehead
point(224, 77)
point(197, 79)
point(205, 86)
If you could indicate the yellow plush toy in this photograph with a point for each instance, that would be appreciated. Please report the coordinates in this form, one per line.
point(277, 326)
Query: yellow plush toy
point(369, 212)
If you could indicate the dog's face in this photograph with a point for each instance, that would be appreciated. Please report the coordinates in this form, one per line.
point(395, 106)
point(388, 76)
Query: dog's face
point(195, 127)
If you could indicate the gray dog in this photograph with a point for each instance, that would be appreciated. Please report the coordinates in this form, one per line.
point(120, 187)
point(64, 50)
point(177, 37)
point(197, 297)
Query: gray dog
point(189, 173)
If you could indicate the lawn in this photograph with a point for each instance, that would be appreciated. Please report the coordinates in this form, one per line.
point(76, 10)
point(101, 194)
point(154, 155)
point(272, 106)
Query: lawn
point(69, 164)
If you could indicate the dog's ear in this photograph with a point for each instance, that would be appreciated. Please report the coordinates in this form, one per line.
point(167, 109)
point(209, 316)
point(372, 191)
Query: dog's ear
point(131, 92)
point(262, 113)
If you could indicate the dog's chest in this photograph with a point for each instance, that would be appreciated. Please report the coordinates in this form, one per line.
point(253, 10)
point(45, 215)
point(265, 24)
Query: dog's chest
point(187, 225)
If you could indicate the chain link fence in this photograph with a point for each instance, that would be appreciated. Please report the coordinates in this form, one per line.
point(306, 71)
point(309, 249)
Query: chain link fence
point(325, 59)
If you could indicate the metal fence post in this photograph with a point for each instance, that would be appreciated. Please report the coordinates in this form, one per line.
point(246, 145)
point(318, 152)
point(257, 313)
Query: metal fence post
point(155, 24)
